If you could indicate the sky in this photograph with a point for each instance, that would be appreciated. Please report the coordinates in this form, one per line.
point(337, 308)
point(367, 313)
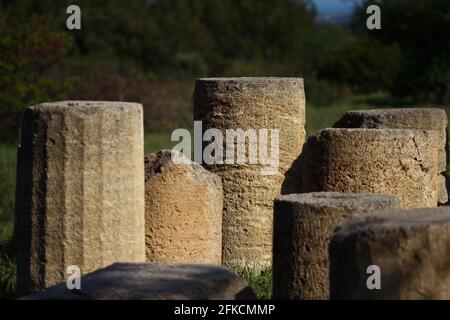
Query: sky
point(334, 6)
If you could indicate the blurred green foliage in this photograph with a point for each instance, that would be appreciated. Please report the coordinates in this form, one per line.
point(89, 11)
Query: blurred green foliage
point(147, 50)
point(29, 49)
point(7, 195)
point(203, 36)
point(421, 30)
point(368, 66)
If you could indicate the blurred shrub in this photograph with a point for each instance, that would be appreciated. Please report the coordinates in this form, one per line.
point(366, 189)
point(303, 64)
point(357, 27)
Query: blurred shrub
point(363, 64)
point(144, 50)
point(179, 38)
point(29, 50)
point(325, 93)
point(7, 272)
point(167, 104)
point(188, 65)
point(421, 29)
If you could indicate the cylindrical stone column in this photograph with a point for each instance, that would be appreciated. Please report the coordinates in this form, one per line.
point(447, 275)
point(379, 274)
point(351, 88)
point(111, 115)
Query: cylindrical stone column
point(264, 109)
point(406, 118)
point(183, 211)
point(80, 190)
point(398, 162)
point(394, 254)
point(156, 281)
point(303, 226)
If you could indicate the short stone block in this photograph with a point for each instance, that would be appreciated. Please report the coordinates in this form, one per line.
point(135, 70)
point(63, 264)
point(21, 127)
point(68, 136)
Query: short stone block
point(409, 249)
point(303, 226)
point(151, 281)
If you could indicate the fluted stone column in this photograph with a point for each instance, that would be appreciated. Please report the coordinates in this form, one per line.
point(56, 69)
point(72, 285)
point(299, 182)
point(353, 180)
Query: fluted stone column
point(183, 212)
point(398, 162)
point(80, 189)
point(252, 104)
point(406, 118)
point(303, 226)
point(393, 255)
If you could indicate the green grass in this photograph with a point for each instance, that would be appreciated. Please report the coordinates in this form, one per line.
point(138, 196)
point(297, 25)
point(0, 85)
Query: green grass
point(7, 271)
point(7, 191)
point(260, 282)
point(317, 118)
point(154, 141)
point(324, 117)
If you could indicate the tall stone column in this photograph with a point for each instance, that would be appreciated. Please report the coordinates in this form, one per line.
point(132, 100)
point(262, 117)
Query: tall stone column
point(252, 104)
point(394, 254)
point(80, 190)
point(303, 226)
point(406, 118)
point(400, 162)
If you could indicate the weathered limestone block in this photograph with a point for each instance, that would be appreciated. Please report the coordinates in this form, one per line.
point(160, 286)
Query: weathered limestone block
point(384, 161)
point(80, 189)
point(405, 118)
point(401, 118)
point(303, 226)
point(151, 281)
point(252, 103)
point(183, 212)
point(410, 247)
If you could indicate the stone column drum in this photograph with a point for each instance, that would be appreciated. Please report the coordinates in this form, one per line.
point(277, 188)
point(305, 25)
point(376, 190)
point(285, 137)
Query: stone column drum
point(303, 226)
point(183, 212)
point(393, 255)
point(406, 118)
point(252, 104)
point(154, 281)
point(398, 162)
point(80, 190)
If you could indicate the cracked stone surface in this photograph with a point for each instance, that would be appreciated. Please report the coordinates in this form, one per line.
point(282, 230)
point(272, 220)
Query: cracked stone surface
point(303, 226)
point(183, 211)
point(398, 162)
point(410, 246)
point(80, 189)
point(151, 281)
point(252, 103)
point(406, 118)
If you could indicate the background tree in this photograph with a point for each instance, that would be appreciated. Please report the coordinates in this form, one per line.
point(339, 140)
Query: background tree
point(421, 28)
point(28, 52)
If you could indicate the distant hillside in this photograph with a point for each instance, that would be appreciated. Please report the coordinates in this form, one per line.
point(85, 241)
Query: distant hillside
point(331, 12)
point(339, 18)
